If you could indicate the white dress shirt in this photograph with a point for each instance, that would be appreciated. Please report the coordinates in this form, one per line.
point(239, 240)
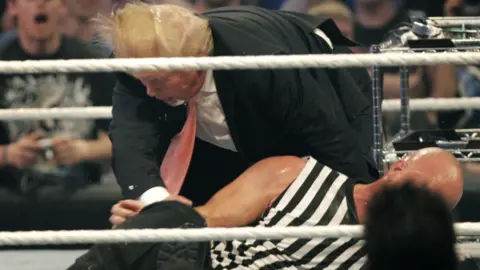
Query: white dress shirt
point(211, 125)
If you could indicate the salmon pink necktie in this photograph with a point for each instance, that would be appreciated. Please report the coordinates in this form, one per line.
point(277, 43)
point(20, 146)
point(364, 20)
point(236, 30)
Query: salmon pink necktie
point(179, 154)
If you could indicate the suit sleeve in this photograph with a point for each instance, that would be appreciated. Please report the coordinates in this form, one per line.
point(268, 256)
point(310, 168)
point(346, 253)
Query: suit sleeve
point(308, 111)
point(137, 148)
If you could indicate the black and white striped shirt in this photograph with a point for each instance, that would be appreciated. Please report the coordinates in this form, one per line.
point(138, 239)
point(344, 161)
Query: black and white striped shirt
point(319, 196)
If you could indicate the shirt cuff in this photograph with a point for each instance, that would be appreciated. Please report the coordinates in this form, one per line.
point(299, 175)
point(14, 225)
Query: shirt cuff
point(153, 195)
point(321, 34)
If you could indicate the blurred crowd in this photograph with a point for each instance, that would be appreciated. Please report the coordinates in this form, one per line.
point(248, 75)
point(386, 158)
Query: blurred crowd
point(71, 154)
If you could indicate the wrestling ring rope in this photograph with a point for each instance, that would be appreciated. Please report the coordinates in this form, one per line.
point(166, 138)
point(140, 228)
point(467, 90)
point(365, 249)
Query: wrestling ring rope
point(466, 249)
point(241, 62)
point(195, 235)
point(425, 104)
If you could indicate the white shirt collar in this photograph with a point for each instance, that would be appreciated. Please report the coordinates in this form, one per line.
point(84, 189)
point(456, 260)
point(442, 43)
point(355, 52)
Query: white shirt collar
point(209, 83)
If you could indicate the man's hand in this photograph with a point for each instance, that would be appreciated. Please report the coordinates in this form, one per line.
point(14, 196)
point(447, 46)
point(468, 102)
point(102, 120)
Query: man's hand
point(69, 151)
point(24, 152)
point(123, 210)
point(129, 208)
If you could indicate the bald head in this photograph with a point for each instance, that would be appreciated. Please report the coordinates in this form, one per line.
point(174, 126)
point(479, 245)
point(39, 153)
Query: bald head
point(433, 168)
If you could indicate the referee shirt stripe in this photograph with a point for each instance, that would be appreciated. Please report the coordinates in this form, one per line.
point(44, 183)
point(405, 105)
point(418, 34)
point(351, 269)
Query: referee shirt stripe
point(299, 201)
point(296, 184)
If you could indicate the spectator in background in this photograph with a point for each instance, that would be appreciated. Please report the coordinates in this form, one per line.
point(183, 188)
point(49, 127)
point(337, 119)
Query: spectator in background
point(459, 80)
point(77, 19)
point(299, 5)
point(3, 12)
point(8, 22)
point(338, 12)
point(182, 3)
point(432, 8)
point(409, 227)
point(71, 154)
point(204, 5)
point(375, 20)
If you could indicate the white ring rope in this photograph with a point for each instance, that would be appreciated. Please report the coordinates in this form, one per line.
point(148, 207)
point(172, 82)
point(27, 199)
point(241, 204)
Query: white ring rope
point(57, 113)
point(194, 235)
point(433, 104)
point(468, 250)
point(453, 21)
point(240, 62)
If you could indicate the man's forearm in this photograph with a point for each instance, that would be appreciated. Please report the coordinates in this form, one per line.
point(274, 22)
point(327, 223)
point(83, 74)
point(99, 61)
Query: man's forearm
point(243, 201)
point(216, 218)
point(236, 205)
point(99, 149)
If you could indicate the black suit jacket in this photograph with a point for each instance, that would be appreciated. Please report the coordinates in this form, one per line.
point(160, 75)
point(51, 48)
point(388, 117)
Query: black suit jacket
point(317, 112)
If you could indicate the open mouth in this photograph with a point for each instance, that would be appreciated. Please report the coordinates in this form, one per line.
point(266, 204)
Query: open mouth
point(41, 18)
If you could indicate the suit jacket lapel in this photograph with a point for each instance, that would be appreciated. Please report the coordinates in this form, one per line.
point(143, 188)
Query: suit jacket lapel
point(225, 91)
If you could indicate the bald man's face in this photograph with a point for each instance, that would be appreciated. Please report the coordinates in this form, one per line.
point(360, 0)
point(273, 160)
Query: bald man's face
point(421, 179)
point(434, 169)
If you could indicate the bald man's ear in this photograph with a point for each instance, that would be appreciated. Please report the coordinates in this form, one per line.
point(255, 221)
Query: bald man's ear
point(397, 166)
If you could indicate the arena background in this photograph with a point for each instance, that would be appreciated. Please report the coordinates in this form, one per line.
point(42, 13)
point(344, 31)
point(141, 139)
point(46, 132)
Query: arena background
point(88, 207)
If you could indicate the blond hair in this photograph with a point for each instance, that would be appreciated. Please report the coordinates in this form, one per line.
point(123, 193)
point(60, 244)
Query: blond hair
point(333, 9)
point(148, 30)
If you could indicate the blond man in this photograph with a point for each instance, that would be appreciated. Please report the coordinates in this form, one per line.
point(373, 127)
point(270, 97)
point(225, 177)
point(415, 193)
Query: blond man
point(242, 116)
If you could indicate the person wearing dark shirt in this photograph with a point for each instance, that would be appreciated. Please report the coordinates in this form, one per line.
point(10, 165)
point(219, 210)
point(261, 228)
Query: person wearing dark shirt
point(77, 21)
point(55, 151)
point(410, 227)
point(375, 18)
point(3, 10)
point(275, 192)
